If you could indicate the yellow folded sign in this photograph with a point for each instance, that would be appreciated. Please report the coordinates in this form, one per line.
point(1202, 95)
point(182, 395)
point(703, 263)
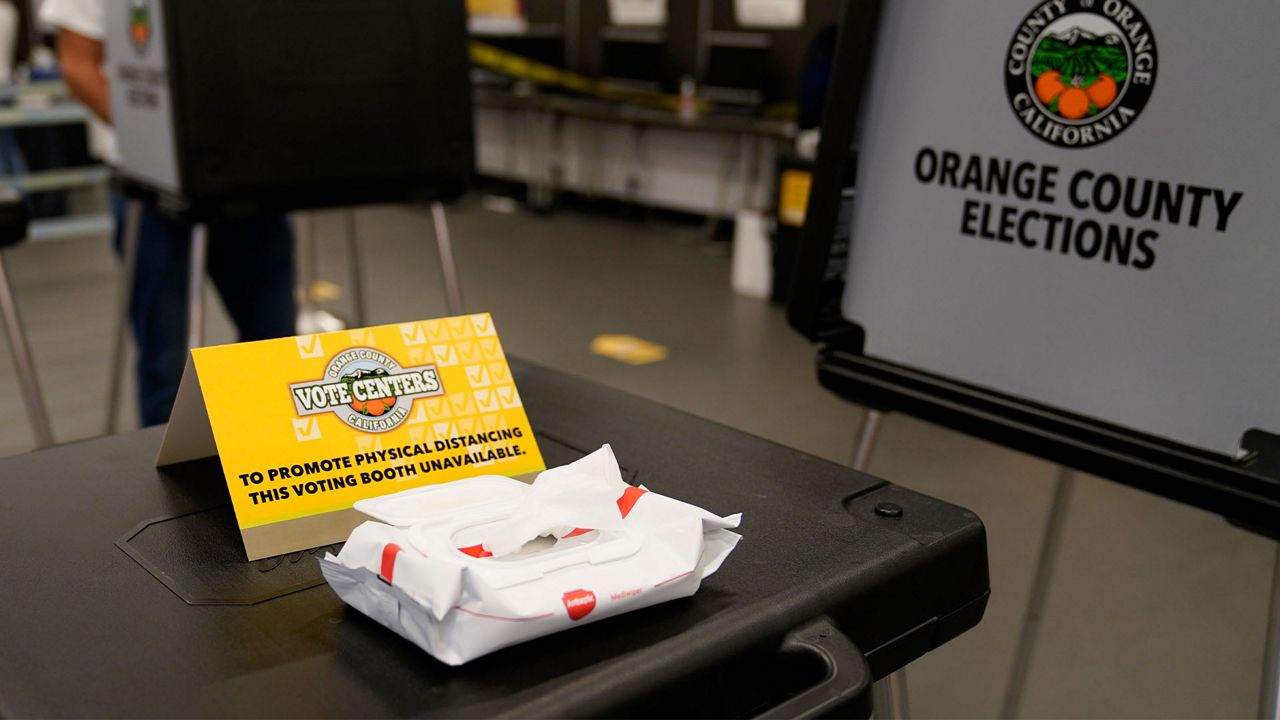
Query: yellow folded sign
point(306, 426)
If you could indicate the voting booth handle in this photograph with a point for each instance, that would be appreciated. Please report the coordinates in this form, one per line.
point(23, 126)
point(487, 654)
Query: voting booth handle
point(843, 688)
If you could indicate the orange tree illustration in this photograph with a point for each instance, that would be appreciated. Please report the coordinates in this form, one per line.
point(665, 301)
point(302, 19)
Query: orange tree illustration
point(1080, 77)
point(372, 408)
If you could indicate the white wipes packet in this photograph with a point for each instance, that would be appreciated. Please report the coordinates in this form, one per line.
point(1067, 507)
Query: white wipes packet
point(468, 567)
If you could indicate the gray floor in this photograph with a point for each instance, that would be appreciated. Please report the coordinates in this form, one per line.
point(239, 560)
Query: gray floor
point(1157, 610)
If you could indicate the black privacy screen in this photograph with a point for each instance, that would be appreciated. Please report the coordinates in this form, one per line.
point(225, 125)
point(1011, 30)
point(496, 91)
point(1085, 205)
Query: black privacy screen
point(302, 100)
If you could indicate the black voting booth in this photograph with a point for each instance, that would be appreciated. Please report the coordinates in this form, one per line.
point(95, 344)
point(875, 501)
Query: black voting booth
point(288, 105)
point(1242, 486)
point(237, 108)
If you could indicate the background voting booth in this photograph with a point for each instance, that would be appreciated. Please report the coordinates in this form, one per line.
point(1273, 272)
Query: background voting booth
point(236, 108)
point(1048, 247)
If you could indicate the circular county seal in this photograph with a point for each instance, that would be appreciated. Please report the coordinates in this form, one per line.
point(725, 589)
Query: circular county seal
point(1079, 72)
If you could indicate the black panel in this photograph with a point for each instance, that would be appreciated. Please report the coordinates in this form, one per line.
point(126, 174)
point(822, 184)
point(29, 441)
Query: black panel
point(304, 103)
point(818, 282)
point(1244, 491)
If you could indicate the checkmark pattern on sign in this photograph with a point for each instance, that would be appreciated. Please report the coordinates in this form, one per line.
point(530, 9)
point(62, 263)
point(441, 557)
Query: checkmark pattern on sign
point(471, 344)
point(309, 346)
point(468, 344)
point(306, 428)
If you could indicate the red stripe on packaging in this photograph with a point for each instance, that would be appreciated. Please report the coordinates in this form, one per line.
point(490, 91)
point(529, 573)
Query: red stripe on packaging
point(544, 616)
point(628, 499)
point(389, 552)
point(475, 551)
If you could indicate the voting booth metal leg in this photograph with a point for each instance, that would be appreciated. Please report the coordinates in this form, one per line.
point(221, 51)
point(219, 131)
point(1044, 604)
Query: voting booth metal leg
point(304, 229)
point(1269, 702)
point(866, 440)
point(360, 318)
point(889, 695)
point(124, 299)
point(195, 286)
point(28, 382)
point(1050, 544)
point(444, 245)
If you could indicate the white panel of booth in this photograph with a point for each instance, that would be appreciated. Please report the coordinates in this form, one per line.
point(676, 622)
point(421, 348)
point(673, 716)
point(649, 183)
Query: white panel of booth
point(1076, 202)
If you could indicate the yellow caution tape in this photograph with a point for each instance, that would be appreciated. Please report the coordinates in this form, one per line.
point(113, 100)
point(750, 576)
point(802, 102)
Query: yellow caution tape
point(518, 66)
point(501, 61)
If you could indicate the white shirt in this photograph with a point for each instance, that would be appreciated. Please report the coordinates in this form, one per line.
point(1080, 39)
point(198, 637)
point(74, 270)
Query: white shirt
point(88, 18)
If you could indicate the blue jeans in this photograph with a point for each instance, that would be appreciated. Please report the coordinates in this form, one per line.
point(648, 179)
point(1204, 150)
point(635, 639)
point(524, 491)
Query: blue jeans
point(250, 263)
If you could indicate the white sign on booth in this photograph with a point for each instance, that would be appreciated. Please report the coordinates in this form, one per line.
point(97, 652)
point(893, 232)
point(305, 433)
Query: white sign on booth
point(1073, 201)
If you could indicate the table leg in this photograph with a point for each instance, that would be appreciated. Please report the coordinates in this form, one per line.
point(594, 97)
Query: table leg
point(1050, 543)
point(124, 301)
point(448, 270)
point(304, 230)
point(360, 318)
point(719, 202)
point(28, 382)
point(1269, 702)
point(195, 286)
point(889, 695)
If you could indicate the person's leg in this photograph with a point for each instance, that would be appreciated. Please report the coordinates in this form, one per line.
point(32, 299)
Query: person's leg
point(251, 263)
point(158, 310)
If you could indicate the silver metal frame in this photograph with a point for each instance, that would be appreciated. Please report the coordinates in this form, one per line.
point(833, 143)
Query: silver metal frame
point(28, 381)
point(124, 299)
point(1046, 561)
point(1269, 697)
point(448, 269)
point(889, 695)
point(195, 285)
point(304, 232)
point(359, 314)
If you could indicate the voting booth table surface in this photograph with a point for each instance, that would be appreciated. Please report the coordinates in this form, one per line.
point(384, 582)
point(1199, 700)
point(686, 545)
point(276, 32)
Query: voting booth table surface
point(126, 591)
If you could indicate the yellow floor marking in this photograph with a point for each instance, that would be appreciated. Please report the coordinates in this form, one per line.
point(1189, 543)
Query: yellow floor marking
point(628, 349)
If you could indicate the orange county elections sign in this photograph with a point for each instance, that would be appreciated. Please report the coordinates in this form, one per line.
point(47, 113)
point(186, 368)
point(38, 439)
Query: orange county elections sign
point(1073, 202)
point(305, 426)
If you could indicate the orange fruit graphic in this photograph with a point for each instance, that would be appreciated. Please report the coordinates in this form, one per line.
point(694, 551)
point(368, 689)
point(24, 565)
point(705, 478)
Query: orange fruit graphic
point(1102, 91)
point(1049, 86)
point(1073, 103)
point(373, 407)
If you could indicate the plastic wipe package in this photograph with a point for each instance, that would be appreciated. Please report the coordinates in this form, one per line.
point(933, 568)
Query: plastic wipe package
point(465, 568)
